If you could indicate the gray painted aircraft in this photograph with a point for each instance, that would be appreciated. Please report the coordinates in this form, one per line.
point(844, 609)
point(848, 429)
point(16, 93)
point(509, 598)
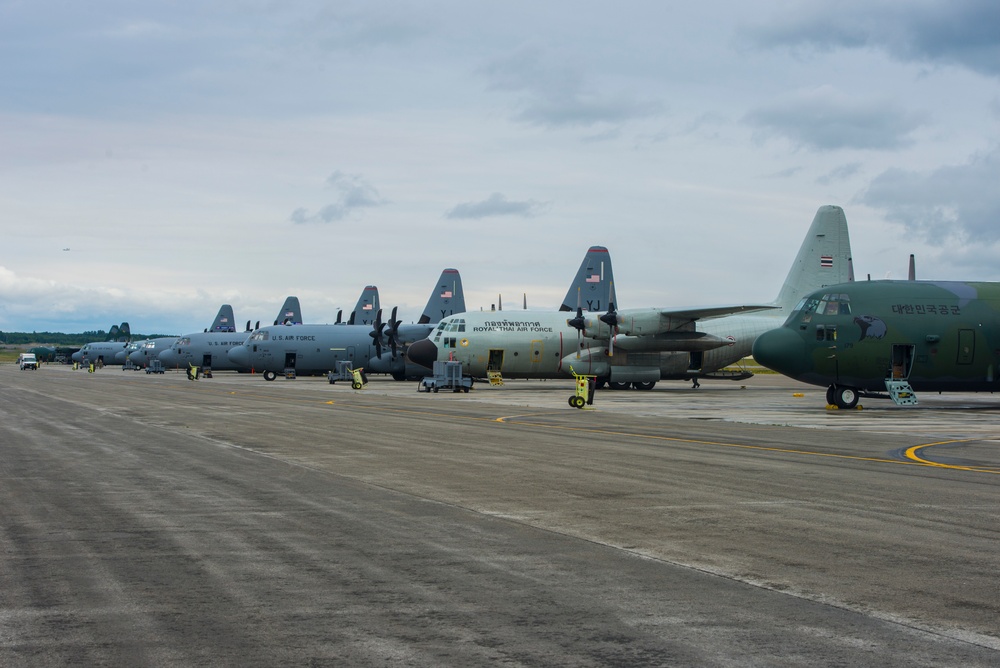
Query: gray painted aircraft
point(366, 308)
point(209, 349)
point(316, 349)
point(111, 351)
point(148, 350)
point(637, 347)
point(890, 339)
point(593, 288)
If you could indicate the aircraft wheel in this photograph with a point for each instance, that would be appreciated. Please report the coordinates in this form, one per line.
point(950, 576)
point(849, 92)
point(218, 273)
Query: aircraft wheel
point(399, 375)
point(647, 385)
point(829, 394)
point(845, 397)
point(600, 383)
point(614, 385)
point(270, 375)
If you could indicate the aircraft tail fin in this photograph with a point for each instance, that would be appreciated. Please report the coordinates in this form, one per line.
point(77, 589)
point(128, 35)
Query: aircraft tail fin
point(447, 299)
point(824, 258)
point(124, 332)
point(367, 306)
point(290, 313)
point(113, 333)
point(225, 321)
point(594, 286)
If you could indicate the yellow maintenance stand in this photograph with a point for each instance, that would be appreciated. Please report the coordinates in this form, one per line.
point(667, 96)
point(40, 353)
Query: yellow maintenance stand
point(586, 385)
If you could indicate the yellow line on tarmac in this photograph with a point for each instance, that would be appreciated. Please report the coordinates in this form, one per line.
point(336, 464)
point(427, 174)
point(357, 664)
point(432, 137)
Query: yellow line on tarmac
point(911, 453)
point(912, 458)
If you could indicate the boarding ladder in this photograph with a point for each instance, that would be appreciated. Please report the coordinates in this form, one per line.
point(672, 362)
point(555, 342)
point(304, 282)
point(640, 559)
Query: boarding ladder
point(901, 392)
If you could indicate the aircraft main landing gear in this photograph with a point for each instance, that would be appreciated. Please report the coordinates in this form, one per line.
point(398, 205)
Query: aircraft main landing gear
point(842, 396)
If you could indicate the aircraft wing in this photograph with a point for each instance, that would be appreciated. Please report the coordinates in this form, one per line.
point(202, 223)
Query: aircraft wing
point(656, 321)
point(709, 312)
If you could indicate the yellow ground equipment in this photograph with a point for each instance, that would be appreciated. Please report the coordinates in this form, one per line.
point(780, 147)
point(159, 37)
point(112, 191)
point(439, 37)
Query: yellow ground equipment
point(585, 387)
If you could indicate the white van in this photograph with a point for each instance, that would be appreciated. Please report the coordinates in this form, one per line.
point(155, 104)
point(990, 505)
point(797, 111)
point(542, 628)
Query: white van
point(27, 361)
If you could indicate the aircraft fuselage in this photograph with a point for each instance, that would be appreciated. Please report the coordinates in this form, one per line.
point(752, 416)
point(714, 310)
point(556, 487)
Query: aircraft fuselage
point(544, 345)
point(940, 336)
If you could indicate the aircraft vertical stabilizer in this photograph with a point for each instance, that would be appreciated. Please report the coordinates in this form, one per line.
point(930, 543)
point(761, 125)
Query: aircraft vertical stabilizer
point(225, 321)
point(824, 258)
point(290, 313)
point(447, 299)
point(594, 285)
point(366, 308)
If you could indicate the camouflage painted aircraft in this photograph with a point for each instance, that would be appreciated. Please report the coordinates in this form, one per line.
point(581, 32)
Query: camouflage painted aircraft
point(890, 339)
point(316, 349)
point(636, 347)
point(209, 349)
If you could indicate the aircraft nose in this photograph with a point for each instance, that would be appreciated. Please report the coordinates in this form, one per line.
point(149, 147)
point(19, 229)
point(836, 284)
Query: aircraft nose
point(169, 357)
point(137, 357)
point(781, 350)
point(422, 352)
point(240, 356)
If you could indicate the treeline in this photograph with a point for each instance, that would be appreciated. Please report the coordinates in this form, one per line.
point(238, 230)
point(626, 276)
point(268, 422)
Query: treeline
point(61, 339)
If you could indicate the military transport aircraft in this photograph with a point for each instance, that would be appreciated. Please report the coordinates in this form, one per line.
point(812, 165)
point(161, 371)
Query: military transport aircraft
point(111, 351)
point(209, 349)
point(141, 353)
point(636, 346)
point(316, 349)
point(593, 288)
point(889, 339)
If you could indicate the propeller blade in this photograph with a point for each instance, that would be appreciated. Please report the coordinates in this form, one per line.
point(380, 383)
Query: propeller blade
point(376, 333)
point(578, 322)
point(392, 333)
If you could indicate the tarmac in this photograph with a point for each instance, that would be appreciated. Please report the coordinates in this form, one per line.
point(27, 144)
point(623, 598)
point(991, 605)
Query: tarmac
point(154, 520)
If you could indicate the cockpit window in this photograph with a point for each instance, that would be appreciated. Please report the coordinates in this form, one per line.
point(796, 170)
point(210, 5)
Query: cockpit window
point(835, 303)
point(259, 335)
point(184, 341)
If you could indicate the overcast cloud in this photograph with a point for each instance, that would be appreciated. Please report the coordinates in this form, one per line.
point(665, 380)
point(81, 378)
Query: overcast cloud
point(194, 154)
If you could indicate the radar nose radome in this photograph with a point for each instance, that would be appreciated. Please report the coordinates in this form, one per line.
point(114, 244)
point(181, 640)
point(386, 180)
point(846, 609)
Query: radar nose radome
point(781, 350)
point(240, 356)
point(422, 352)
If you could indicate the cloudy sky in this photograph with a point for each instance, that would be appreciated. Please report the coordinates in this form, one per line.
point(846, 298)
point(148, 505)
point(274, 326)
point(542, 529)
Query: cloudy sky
point(189, 154)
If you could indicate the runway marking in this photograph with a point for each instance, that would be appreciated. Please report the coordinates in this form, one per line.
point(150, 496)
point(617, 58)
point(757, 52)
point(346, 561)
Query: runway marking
point(912, 459)
point(911, 453)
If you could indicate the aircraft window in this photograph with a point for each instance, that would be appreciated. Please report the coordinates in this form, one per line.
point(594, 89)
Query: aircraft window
point(259, 336)
point(442, 325)
point(810, 305)
point(826, 333)
point(184, 341)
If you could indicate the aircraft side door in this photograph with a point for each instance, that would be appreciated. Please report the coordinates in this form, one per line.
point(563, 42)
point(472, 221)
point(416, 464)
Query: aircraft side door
point(901, 360)
point(536, 353)
point(495, 360)
point(966, 346)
